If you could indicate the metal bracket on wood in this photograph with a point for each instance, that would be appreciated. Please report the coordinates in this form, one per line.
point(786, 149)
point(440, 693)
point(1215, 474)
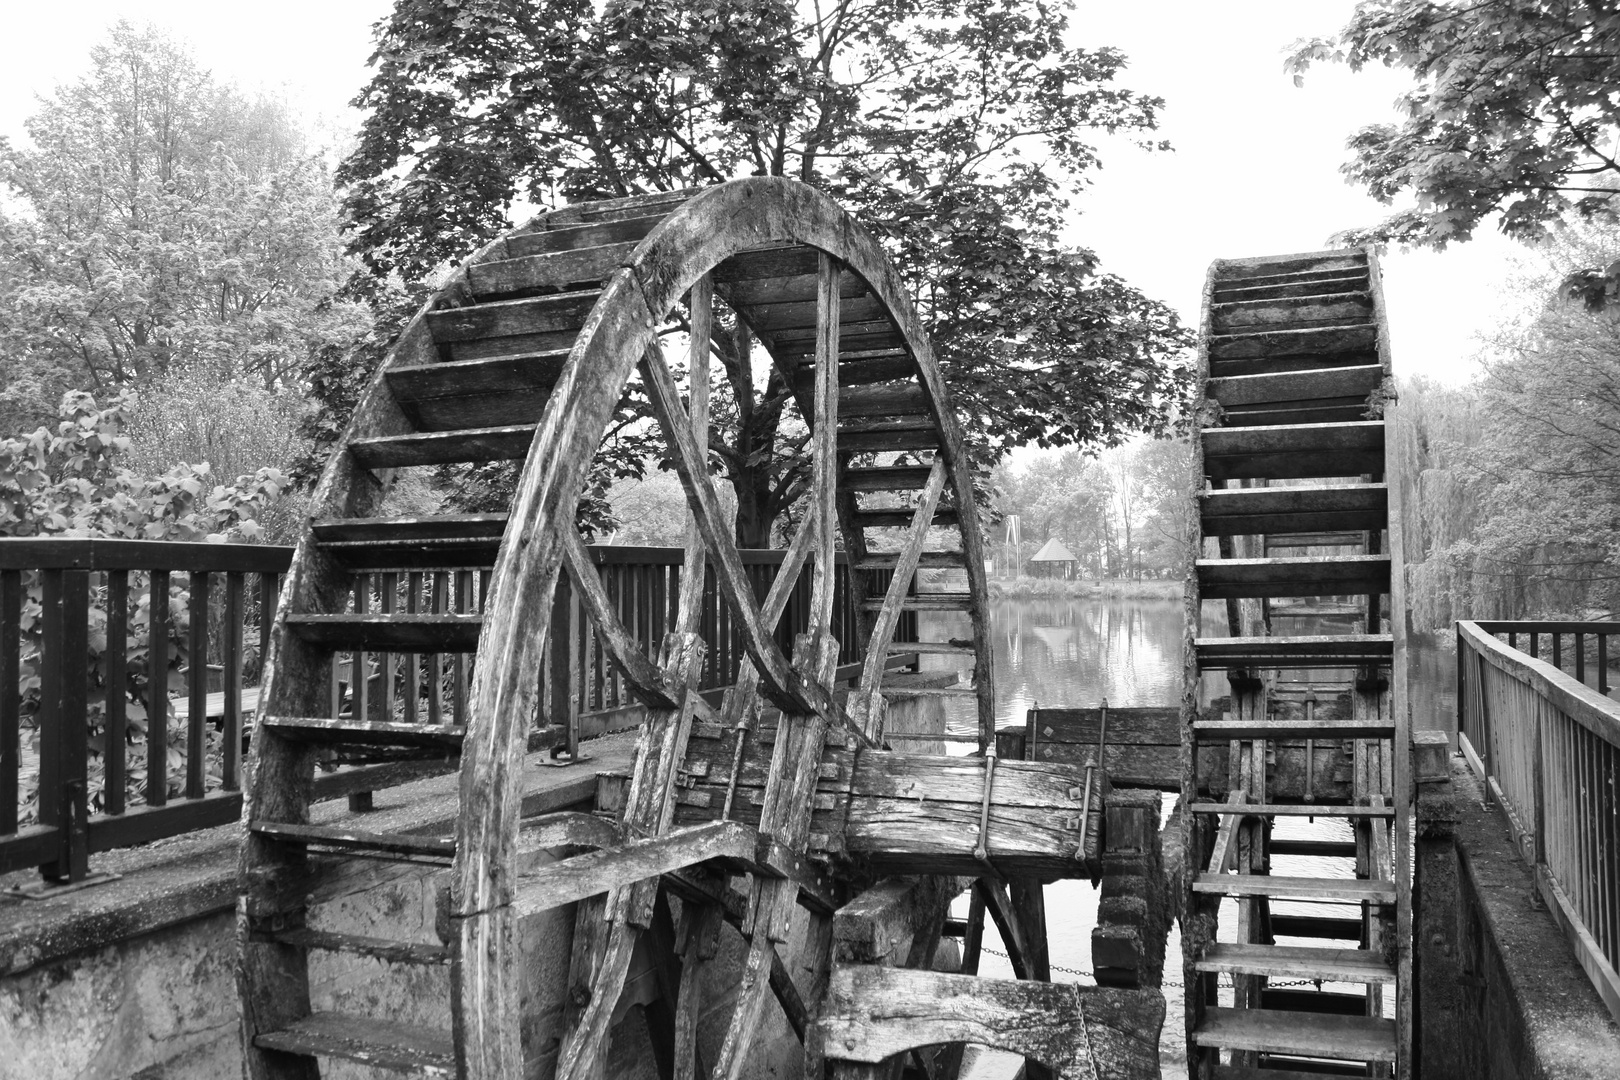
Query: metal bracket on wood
point(981, 850)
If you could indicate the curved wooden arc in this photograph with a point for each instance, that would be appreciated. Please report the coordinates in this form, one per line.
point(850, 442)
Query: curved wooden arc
point(621, 332)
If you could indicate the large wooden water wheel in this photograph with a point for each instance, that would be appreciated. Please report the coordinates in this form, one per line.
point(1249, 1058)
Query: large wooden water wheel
point(525, 355)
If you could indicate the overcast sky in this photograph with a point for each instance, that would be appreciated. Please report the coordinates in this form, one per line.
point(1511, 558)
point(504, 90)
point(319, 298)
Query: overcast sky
point(1255, 170)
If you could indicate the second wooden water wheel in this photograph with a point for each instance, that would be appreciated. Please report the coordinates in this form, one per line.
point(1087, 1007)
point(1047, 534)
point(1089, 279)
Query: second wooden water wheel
point(743, 812)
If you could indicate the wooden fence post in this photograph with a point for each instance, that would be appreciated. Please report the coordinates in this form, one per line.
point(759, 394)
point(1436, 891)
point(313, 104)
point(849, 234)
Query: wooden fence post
point(64, 722)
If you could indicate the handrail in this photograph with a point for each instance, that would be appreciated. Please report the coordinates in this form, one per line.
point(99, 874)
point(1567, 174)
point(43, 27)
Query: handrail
point(71, 606)
point(1547, 746)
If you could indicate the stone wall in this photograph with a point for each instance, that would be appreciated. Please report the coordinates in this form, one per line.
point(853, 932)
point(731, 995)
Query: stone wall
point(1499, 994)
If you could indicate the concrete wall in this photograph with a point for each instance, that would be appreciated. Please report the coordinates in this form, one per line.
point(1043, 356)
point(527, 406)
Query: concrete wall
point(1499, 994)
point(136, 978)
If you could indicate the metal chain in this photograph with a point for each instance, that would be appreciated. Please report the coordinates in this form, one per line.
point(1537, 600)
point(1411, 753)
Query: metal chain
point(1165, 985)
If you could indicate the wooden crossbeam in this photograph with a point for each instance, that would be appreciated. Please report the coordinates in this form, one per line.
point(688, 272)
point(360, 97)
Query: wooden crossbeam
point(876, 1013)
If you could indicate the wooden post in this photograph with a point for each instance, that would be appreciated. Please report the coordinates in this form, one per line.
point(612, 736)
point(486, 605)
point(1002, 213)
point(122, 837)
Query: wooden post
point(10, 696)
point(197, 720)
point(115, 736)
point(157, 707)
point(64, 725)
point(231, 760)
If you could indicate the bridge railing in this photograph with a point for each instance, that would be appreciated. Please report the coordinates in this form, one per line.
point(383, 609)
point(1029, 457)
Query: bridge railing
point(88, 627)
point(1548, 748)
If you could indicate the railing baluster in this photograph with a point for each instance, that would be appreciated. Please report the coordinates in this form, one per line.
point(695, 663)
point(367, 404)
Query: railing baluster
point(360, 670)
point(435, 664)
point(387, 662)
point(413, 662)
point(230, 769)
point(1558, 650)
point(157, 674)
point(1580, 657)
point(464, 606)
point(115, 735)
point(1603, 664)
point(10, 696)
point(197, 721)
point(64, 721)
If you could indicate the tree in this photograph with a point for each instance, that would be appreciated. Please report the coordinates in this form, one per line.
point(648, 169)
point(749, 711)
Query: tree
point(165, 220)
point(953, 128)
point(73, 481)
point(1514, 112)
point(1518, 473)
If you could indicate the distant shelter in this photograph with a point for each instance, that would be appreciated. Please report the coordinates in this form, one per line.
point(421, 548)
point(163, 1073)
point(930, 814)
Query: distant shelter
point(1054, 561)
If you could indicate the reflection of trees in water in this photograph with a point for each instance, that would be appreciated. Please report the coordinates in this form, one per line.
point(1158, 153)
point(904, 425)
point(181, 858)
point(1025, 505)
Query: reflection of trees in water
point(1078, 653)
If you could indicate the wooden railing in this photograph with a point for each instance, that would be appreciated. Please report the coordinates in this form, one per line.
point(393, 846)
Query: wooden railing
point(1548, 747)
point(87, 764)
point(92, 633)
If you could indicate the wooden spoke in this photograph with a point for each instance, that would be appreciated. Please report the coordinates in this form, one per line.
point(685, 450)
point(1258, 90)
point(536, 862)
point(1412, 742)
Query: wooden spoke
point(867, 710)
point(823, 505)
point(649, 805)
point(780, 683)
point(694, 568)
point(644, 676)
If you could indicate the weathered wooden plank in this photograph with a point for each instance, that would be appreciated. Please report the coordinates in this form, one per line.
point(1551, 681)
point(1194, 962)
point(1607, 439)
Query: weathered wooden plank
point(1353, 382)
point(1313, 283)
point(582, 236)
point(1297, 962)
point(442, 447)
point(1276, 510)
point(1312, 341)
point(1275, 1031)
point(821, 503)
point(366, 733)
point(359, 841)
point(876, 1013)
point(492, 392)
point(389, 633)
point(567, 880)
point(374, 948)
point(593, 264)
point(508, 318)
point(1291, 312)
point(385, 1043)
point(1323, 575)
point(1344, 890)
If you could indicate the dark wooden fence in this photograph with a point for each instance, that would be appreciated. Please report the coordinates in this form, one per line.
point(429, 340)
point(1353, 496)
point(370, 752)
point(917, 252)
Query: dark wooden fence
point(92, 633)
point(1546, 742)
point(79, 661)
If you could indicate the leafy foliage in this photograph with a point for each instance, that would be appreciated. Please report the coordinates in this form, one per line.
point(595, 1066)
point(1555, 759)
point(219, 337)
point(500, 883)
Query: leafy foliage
point(1123, 513)
point(1519, 472)
point(1514, 112)
point(71, 482)
point(955, 129)
point(163, 220)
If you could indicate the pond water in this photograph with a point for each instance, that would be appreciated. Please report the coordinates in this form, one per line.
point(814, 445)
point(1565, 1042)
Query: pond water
point(1127, 651)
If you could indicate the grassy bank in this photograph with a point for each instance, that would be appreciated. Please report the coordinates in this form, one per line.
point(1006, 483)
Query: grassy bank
point(1053, 589)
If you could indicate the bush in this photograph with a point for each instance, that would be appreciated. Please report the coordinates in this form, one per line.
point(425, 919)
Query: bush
point(73, 482)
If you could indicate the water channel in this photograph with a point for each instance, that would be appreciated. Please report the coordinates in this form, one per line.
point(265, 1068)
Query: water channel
point(1127, 651)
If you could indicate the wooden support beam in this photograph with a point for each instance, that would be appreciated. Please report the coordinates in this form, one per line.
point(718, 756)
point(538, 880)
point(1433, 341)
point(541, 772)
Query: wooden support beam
point(1080, 1031)
point(694, 567)
point(916, 813)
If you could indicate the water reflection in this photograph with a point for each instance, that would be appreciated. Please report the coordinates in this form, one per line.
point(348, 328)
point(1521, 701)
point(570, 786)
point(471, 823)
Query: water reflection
point(1073, 653)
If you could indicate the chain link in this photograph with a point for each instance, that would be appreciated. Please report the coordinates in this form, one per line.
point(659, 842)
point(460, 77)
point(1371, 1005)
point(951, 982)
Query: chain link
point(1165, 985)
